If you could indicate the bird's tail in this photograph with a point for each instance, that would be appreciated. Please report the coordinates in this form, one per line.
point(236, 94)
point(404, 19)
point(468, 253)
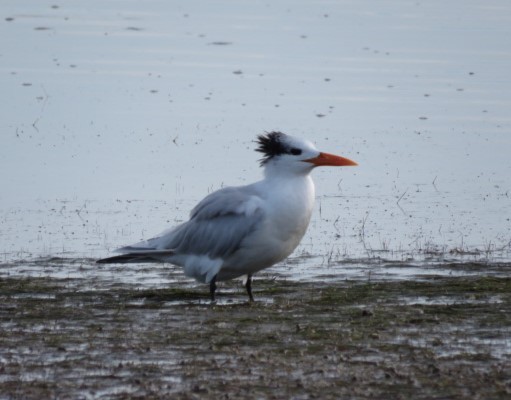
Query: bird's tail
point(142, 256)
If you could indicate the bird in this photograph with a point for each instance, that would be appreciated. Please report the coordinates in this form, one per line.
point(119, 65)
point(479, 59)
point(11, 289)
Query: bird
point(237, 231)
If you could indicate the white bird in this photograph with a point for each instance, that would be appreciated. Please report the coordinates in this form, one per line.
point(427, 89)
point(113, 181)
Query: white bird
point(238, 231)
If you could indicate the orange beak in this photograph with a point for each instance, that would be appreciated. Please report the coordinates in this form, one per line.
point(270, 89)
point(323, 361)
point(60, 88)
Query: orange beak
point(331, 159)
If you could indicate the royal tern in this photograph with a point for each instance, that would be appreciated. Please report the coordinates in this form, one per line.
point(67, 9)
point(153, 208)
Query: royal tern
point(238, 231)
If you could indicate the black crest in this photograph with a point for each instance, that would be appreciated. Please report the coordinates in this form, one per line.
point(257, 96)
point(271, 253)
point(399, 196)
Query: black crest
point(271, 144)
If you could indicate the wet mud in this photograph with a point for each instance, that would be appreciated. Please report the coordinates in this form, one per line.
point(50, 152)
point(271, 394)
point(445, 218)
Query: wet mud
point(430, 336)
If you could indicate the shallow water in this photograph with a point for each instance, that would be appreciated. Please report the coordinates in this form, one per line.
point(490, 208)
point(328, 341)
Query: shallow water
point(118, 118)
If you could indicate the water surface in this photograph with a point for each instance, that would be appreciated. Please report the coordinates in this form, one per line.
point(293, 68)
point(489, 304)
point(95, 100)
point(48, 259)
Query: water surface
point(118, 117)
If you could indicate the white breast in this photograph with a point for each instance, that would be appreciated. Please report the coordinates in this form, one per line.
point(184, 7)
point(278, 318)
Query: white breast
point(288, 206)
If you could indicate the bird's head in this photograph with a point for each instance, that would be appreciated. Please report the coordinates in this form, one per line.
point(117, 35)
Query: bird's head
point(284, 152)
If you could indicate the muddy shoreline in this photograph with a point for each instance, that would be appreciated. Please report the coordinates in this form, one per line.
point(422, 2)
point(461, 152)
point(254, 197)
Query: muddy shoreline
point(437, 337)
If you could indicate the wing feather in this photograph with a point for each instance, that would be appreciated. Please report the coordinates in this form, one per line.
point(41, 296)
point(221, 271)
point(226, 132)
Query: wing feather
point(217, 226)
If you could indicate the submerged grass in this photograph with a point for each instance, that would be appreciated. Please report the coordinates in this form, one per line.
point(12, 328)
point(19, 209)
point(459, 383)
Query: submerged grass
point(303, 340)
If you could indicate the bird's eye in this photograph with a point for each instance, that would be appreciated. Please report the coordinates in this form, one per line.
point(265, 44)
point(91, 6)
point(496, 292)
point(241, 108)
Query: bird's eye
point(295, 151)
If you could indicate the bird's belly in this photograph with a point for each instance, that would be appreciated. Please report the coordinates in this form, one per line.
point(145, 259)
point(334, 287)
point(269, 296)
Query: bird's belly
point(263, 249)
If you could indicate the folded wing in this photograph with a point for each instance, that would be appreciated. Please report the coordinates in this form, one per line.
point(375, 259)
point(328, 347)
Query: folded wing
point(217, 227)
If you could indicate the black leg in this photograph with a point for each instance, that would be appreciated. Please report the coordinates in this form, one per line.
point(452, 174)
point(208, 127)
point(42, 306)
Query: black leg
point(212, 288)
point(248, 285)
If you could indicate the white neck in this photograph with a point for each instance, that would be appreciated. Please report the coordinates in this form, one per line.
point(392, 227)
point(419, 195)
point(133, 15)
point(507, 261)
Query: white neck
point(274, 168)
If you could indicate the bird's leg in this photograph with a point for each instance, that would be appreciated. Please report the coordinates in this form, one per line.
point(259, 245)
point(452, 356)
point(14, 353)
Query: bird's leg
point(248, 285)
point(212, 288)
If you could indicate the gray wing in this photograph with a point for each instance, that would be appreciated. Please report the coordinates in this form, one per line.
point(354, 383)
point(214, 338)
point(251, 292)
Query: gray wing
point(217, 226)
